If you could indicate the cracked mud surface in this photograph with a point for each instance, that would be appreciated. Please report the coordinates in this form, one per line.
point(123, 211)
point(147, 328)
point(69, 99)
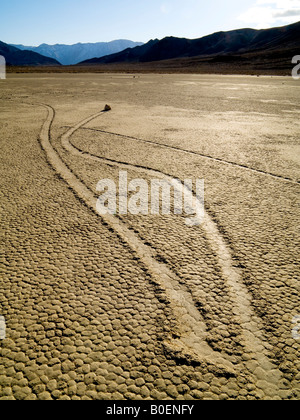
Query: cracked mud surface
point(137, 307)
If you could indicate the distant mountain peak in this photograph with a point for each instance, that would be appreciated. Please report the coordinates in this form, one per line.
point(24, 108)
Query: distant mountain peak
point(75, 53)
point(218, 43)
point(17, 57)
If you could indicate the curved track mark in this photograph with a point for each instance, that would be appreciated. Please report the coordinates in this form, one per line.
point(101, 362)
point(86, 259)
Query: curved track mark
point(191, 152)
point(191, 330)
point(253, 339)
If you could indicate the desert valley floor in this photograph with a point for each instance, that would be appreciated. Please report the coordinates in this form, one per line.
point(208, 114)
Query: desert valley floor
point(145, 306)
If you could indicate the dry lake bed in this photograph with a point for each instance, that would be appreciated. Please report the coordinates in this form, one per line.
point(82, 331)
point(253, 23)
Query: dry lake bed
point(145, 306)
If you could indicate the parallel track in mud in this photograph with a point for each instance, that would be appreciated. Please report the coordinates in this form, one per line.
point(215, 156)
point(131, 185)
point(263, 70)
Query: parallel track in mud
point(191, 327)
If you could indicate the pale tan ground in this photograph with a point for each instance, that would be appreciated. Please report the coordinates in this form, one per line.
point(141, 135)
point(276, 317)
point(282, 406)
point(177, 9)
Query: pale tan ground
point(88, 311)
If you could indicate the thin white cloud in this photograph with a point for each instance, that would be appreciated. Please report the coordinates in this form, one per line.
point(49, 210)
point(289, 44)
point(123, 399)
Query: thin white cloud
point(287, 13)
point(281, 4)
point(165, 8)
point(268, 13)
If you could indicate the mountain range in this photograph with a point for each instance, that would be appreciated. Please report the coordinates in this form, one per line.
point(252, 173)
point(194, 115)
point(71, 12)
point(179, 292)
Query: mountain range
point(73, 54)
point(244, 51)
point(16, 57)
point(220, 44)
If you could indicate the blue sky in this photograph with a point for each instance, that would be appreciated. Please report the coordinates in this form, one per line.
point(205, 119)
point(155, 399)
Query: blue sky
point(32, 22)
